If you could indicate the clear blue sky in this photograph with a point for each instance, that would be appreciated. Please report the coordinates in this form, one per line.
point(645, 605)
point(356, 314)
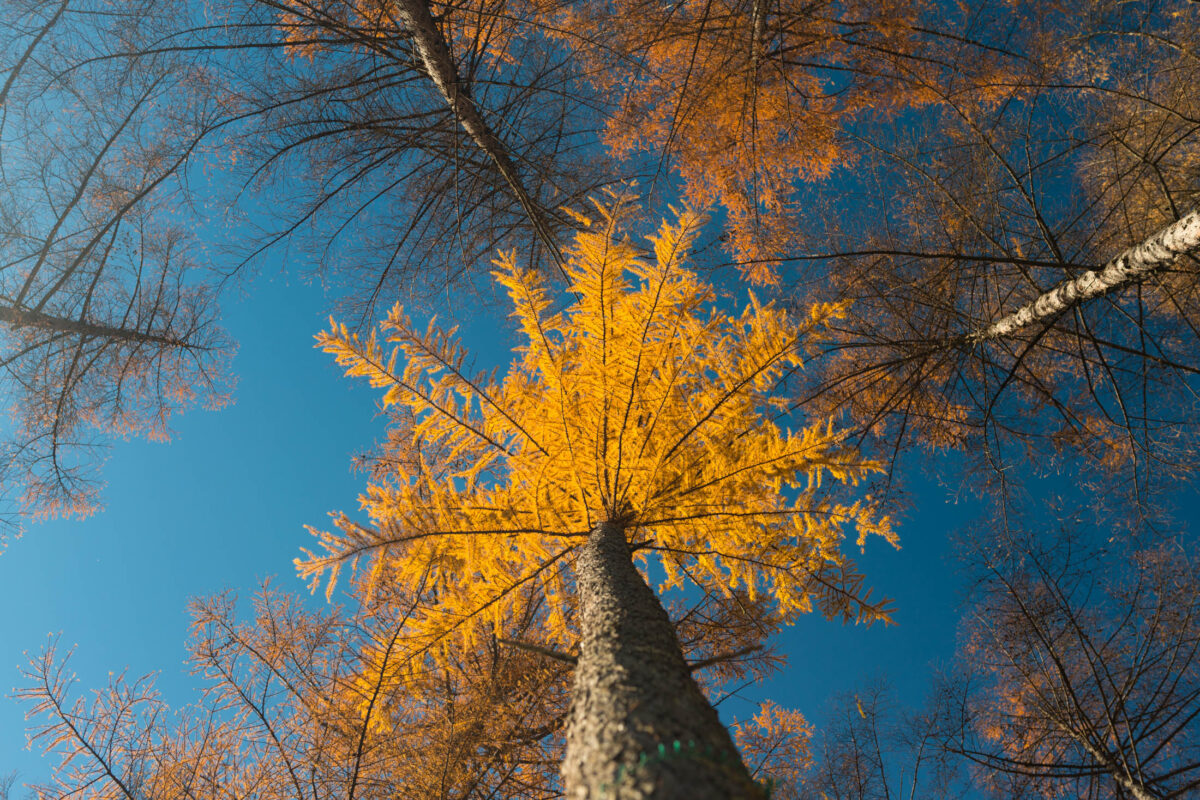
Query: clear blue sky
point(223, 505)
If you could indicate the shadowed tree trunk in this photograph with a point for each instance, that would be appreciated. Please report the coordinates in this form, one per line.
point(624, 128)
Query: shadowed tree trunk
point(17, 317)
point(639, 726)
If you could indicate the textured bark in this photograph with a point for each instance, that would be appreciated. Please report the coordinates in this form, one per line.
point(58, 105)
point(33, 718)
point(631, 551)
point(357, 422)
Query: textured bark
point(639, 726)
point(1158, 252)
point(434, 54)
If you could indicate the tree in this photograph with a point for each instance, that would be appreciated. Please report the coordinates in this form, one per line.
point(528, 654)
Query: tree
point(1080, 670)
point(106, 327)
point(871, 748)
point(630, 423)
point(460, 123)
point(1010, 196)
point(295, 705)
point(744, 99)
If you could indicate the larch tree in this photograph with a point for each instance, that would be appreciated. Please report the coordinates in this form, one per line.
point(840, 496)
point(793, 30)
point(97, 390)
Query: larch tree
point(637, 420)
point(107, 326)
point(1080, 668)
point(1021, 256)
point(872, 748)
point(736, 104)
point(294, 705)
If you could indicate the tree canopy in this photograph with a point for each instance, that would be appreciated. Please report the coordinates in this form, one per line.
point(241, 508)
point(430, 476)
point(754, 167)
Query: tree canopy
point(972, 226)
point(638, 405)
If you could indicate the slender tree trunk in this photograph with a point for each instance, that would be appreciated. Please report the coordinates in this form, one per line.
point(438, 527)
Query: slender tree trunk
point(21, 318)
point(1158, 252)
point(639, 726)
point(434, 54)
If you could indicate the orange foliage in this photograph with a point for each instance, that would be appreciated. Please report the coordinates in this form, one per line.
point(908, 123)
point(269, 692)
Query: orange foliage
point(776, 742)
point(744, 99)
point(637, 403)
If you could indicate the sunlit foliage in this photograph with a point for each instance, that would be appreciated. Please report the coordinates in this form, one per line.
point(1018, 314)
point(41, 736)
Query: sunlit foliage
point(640, 402)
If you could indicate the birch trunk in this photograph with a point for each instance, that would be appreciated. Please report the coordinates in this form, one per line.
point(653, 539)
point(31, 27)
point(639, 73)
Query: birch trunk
point(434, 55)
point(634, 697)
point(1156, 253)
point(1120, 774)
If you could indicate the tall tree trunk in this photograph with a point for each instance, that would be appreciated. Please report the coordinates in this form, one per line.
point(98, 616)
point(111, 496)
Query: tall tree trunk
point(434, 54)
point(19, 317)
point(639, 726)
point(1158, 252)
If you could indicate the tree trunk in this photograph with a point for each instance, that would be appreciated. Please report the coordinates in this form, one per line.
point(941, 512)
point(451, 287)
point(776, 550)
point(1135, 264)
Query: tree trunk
point(21, 317)
point(1119, 772)
point(639, 726)
point(1158, 252)
point(434, 54)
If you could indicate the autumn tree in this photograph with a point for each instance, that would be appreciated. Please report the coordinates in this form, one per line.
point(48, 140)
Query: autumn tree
point(1079, 674)
point(631, 423)
point(106, 325)
point(1021, 256)
point(299, 704)
point(461, 128)
point(739, 104)
point(873, 748)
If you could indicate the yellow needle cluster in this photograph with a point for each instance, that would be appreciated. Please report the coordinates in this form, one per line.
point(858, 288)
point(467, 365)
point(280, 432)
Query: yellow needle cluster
point(640, 401)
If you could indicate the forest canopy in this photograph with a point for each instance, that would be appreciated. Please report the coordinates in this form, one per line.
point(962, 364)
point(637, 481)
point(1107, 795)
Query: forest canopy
point(968, 234)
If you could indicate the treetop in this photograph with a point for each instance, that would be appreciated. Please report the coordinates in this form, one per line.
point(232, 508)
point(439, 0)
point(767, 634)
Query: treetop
point(639, 402)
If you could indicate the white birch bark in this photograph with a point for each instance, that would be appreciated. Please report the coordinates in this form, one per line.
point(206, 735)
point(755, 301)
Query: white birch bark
point(1158, 252)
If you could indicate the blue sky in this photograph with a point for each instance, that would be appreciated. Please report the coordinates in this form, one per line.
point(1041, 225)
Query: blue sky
point(223, 505)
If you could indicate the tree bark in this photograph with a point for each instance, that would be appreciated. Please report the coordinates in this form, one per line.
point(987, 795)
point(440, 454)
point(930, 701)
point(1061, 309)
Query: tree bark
point(434, 54)
point(1120, 774)
point(1158, 252)
point(639, 726)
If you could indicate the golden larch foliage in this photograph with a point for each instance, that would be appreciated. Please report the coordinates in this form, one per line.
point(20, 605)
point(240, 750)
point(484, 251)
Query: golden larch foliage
point(776, 742)
point(641, 402)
